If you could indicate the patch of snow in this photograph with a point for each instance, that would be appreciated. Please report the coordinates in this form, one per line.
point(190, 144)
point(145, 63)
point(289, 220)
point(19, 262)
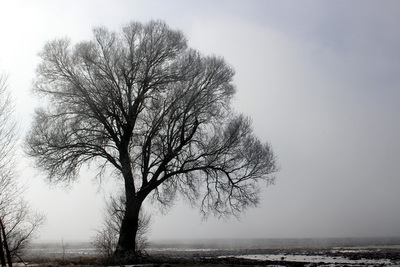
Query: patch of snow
point(313, 259)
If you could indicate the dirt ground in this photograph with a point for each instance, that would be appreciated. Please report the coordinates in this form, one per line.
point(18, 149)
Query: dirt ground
point(226, 257)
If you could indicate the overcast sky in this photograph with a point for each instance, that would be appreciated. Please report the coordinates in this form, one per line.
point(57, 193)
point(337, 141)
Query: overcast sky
point(320, 79)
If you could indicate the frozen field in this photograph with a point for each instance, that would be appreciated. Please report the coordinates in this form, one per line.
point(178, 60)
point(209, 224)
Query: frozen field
point(281, 252)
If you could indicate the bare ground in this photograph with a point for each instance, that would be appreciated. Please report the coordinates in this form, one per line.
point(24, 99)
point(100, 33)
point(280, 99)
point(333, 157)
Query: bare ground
point(225, 257)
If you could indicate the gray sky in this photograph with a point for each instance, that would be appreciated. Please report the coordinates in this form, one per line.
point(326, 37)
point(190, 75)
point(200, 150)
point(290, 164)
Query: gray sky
point(320, 79)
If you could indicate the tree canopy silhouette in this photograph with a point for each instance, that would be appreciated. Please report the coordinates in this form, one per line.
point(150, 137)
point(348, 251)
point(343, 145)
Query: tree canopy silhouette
point(158, 112)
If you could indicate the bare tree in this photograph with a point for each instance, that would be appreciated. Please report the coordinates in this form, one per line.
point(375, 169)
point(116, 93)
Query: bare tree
point(7, 136)
point(64, 247)
point(106, 238)
point(17, 222)
point(158, 112)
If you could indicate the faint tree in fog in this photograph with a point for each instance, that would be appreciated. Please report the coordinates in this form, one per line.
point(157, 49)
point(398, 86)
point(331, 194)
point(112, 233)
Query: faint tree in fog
point(64, 247)
point(158, 112)
point(17, 222)
point(106, 239)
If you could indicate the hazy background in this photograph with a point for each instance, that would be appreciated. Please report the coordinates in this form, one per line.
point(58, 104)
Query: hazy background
point(321, 80)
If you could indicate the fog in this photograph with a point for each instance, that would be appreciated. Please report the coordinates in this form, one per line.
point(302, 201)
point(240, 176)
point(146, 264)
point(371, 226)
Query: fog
point(320, 80)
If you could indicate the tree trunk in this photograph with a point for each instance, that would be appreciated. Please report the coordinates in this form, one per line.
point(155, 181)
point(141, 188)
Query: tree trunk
point(126, 247)
point(7, 250)
point(2, 255)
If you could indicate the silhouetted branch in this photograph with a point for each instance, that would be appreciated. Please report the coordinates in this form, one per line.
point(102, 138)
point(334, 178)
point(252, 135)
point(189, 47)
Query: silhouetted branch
point(16, 220)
